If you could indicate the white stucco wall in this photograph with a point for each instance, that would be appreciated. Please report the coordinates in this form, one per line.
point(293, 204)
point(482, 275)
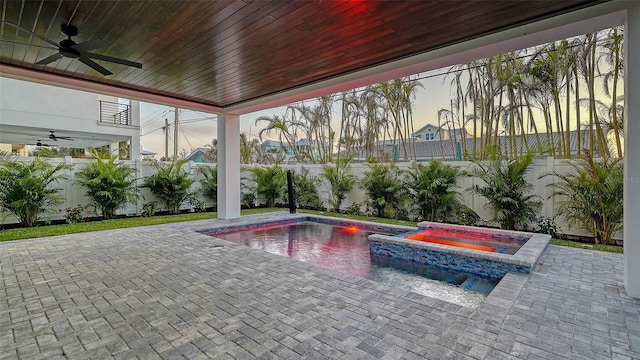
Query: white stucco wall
point(35, 105)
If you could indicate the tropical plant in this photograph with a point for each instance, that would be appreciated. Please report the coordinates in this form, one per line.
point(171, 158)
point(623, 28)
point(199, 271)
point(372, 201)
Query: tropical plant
point(306, 192)
point(247, 198)
point(270, 183)
point(170, 184)
point(108, 183)
point(197, 205)
point(209, 183)
point(384, 189)
point(212, 151)
point(432, 190)
point(74, 215)
point(149, 209)
point(26, 188)
point(340, 183)
point(592, 196)
point(509, 195)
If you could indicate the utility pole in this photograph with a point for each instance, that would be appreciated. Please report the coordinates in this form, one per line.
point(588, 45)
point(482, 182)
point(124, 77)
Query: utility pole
point(175, 134)
point(166, 139)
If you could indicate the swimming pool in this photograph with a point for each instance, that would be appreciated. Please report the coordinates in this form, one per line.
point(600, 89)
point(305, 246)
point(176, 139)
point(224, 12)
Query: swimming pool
point(344, 247)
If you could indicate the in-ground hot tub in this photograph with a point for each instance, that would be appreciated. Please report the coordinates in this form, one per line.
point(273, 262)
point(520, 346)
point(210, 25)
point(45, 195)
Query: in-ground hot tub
point(486, 252)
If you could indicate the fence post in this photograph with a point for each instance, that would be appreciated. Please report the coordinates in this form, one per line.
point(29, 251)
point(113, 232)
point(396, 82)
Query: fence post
point(549, 180)
point(138, 174)
point(70, 197)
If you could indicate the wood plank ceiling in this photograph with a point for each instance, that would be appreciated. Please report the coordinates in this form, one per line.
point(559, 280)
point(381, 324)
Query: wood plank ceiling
point(222, 53)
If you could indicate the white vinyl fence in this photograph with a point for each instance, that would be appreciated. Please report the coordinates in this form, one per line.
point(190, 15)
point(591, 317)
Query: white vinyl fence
point(74, 194)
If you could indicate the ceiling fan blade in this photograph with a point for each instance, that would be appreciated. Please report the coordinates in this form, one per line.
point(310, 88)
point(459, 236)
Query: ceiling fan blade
point(90, 45)
point(92, 64)
point(114, 60)
point(50, 59)
point(68, 138)
point(19, 43)
point(33, 33)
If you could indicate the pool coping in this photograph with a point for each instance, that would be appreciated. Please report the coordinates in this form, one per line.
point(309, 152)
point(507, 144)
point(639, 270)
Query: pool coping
point(283, 218)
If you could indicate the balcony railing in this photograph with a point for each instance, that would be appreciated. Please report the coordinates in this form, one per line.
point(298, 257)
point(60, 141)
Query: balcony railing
point(115, 113)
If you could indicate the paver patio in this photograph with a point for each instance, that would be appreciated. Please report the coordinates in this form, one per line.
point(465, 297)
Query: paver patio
point(168, 292)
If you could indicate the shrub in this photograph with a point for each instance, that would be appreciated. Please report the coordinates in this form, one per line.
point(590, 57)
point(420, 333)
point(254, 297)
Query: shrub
point(340, 182)
point(306, 192)
point(384, 189)
point(546, 225)
point(507, 192)
point(432, 191)
point(247, 198)
point(592, 197)
point(209, 183)
point(26, 188)
point(270, 183)
point(74, 215)
point(197, 205)
point(149, 209)
point(170, 184)
point(354, 209)
point(109, 183)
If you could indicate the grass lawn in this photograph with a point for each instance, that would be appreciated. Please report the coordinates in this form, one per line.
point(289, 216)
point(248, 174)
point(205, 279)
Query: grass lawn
point(52, 230)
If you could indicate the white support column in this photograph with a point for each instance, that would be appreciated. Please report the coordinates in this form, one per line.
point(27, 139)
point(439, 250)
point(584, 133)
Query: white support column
point(228, 166)
point(134, 142)
point(632, 152)
point(114, 148)
point(134, 147)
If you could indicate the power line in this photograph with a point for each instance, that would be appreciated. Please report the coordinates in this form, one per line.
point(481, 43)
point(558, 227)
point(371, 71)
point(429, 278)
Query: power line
point(201, 139)
point(185, 137)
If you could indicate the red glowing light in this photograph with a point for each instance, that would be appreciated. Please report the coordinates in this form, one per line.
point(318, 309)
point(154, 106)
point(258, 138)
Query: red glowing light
point(353, 229)
point(421, 236)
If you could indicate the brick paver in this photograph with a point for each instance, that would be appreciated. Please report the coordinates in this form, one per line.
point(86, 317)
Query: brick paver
point(168, 292)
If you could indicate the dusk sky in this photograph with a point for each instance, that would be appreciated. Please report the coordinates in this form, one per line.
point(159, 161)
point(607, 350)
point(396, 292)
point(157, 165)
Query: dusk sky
point(199, 128)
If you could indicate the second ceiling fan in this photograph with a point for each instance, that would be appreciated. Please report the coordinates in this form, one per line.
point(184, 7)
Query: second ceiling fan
point(54, 137)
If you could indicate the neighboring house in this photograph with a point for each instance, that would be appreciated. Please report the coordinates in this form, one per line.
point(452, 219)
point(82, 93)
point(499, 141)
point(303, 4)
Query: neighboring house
point(450, 150)
point(147, 154)
point(276, 146)
point(33, 113)
point(19, 150)
point(199, 155)
point(432, 132)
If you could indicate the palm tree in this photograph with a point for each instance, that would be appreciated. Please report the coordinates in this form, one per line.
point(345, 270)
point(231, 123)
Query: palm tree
point(170, 184)
point(509, 196)
point(26, 189)
point(270, 183)
point(340, 182)
point(592, 196)
point(432, 190)
point(612, 55)
point(384, 189)
point(109, 183)
point(212, 151)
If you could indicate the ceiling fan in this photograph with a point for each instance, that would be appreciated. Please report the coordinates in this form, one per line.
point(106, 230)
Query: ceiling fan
point(54, 137)
point(39, 143)
point(70, 49)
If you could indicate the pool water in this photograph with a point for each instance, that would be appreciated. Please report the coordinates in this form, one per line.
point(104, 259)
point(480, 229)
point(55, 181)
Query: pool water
point(483, 242)
point(346, 249)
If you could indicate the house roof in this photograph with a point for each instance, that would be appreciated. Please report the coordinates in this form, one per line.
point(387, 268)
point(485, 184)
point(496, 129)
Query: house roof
point(425, 127)
point(197, 152)
point(223, 54)
point(439, 149)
